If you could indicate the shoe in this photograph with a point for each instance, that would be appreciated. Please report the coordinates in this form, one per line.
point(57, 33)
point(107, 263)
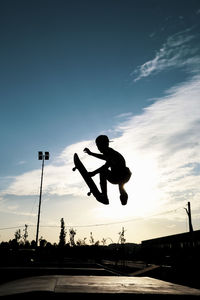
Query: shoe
point(104, 199)
point(124, 198)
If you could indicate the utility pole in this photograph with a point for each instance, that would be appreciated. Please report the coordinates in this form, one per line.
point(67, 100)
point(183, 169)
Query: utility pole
point(42, 157)
point(188, 211)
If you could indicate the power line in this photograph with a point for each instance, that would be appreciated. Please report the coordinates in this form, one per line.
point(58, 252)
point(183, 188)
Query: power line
point(14, 227)
point(101, 224)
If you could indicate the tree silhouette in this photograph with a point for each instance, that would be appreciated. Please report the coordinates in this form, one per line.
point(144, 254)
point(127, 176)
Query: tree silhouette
point(18, 235)
point(62, 233)
point(72, 234)
point(25, 235)
point(91, 239)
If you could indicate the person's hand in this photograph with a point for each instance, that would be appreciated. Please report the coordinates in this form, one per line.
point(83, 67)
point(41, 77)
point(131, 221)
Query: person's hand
point(86, 150)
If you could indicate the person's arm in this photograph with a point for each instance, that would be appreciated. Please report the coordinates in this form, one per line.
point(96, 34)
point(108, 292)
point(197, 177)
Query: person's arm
point(97, 155)
point(93, 173)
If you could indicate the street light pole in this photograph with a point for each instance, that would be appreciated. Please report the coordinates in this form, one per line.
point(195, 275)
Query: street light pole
point(42, 157)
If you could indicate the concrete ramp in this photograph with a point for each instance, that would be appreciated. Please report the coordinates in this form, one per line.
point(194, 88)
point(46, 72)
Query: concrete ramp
point(94, 286)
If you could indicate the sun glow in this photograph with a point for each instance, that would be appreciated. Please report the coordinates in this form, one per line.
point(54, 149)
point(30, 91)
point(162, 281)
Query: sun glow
point(142, 189)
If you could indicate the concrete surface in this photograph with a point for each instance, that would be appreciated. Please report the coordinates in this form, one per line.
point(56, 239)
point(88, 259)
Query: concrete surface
point(58, 285)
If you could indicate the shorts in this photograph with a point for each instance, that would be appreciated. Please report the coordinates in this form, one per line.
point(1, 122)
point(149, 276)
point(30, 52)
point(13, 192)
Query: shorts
point(119, 176)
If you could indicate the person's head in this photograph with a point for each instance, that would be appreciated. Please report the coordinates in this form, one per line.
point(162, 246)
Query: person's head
point(102, 142)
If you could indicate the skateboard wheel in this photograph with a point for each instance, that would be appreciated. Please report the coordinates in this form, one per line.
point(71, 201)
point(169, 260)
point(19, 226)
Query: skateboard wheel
point(89, 193)
point(74, 169)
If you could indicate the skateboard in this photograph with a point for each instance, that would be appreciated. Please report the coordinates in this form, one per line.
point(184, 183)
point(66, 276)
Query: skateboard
point(89, 181)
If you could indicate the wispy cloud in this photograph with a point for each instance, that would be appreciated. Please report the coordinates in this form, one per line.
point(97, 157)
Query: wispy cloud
point(21, 162)
point(168, 134)
point(124, 115)
point(58, 177)
point(161, 147)
point(178, 51)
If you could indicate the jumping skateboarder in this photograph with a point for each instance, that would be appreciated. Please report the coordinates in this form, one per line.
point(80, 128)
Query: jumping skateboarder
point(114, 170)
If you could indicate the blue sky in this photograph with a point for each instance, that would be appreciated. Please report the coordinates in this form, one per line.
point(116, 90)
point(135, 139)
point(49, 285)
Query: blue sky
point(71, 70)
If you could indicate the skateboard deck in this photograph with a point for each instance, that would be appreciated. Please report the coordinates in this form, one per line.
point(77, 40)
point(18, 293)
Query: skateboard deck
point(89, 181)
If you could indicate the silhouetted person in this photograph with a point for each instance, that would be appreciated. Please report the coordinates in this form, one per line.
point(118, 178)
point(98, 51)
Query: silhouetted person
point(114, 170)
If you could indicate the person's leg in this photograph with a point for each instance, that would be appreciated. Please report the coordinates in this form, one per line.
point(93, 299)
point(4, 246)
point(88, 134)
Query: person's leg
point(103, 184)
point(115, 178)
point(123, 194)
point(103, 181)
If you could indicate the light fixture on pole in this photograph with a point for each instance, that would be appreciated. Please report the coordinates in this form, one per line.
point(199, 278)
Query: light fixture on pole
point(42, 157)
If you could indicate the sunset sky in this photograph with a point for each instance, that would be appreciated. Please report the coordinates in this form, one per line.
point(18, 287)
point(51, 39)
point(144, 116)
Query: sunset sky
point(71, 70)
